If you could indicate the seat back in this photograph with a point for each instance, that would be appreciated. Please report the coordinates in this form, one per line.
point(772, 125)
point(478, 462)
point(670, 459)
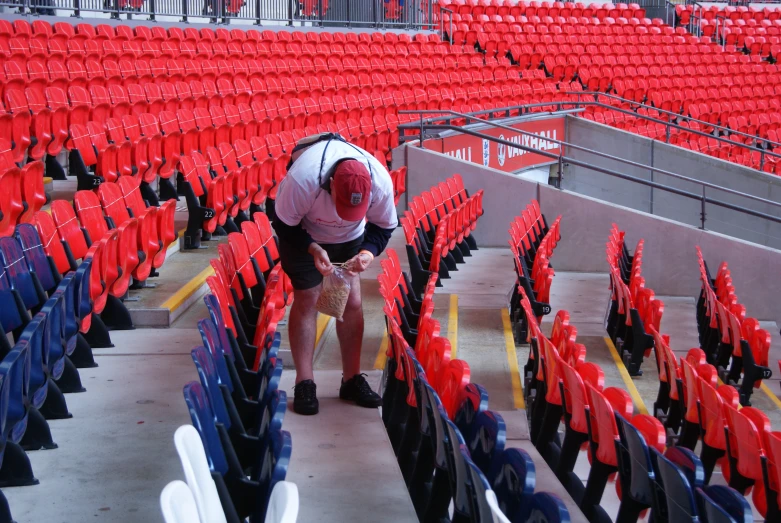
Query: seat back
point(203, 420)
point(196, 472)
point(548, 508)
point(512, 479)
point(634, 464)
point(273, 469)
point(487, 439)
point(17, 271)
point(51, 242)
point(35, 255)
point(69, 228)
point(283, 503)
point(15, 376)
point(212, 341)
point(496, 511)
point(207, 372)
point(36, 336)
point(675, 487)
point(475, 400)
point(722, 504)
point(178, 503)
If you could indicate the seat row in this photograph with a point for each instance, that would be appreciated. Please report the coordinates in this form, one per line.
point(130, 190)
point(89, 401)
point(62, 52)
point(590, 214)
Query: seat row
point(41, 348)
point(733, 13)
point(532, 242)
point(449, 445)
point(64, 32)
point(734, 343)
point(561, 385)
point(237, 407)
point(438, 229)
point(501, 8)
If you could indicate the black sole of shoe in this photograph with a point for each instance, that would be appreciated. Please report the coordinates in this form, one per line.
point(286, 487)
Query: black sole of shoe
point(306, 412)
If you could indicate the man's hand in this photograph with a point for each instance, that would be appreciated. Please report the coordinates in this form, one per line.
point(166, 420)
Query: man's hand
point(322, 262)
point(360, 262)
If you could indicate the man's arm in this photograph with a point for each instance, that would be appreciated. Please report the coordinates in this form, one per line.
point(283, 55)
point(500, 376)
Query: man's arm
point(375, 238)
point(381, 221)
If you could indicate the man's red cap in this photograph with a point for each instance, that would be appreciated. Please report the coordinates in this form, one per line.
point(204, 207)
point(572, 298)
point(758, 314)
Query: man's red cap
point(351, 189)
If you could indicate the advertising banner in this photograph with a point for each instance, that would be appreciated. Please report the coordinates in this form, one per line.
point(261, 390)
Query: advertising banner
point(498, 155)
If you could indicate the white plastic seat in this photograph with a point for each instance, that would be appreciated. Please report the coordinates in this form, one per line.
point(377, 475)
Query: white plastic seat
point(496, 512)
point(178, 504)
point(283, 504)
point(196, 471)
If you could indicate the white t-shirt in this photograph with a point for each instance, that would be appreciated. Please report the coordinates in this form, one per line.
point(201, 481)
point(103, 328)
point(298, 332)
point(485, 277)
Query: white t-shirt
point(301, 199)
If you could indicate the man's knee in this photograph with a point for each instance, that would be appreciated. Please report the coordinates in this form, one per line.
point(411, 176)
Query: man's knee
point(306, 299)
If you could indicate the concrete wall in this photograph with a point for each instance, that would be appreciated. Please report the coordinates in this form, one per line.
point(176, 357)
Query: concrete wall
point(699, 166)
point(670, 262)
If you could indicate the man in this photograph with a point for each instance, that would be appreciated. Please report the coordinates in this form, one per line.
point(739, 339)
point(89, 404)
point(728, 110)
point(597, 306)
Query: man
point(334, 206)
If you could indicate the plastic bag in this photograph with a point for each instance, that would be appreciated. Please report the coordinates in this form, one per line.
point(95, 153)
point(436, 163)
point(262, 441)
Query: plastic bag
point(333, 298)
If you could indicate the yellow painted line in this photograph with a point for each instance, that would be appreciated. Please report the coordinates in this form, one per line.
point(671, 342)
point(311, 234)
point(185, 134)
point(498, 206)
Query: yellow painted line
point(322, 323)
point(512, 361)
point(630, 385)
point(189, 288)
point(452, 325)
point(379, 362)
point(770, 394)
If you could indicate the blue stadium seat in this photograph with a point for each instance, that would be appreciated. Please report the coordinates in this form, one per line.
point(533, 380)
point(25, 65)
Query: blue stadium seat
point(487, 439)
point(249, 444)
point(475, 401)
point(19, 275)
point(513, 479)
point(15, 469)
point(547, 508)
point(224, 467)
point(407, 449)
point(442, 487)
point(227, 339)
point(78, 350)
point(722, 504)
point(675, 495)
point(456, 471)
point(481, 510)
point(61, 368)
point(48, 276)
point(273, 469)
point(419, 482)
point(689, 463)
point(13, 315)
point(635, 470)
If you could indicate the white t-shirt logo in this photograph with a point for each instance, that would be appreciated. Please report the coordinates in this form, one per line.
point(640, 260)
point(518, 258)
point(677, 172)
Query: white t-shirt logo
point(355, 198)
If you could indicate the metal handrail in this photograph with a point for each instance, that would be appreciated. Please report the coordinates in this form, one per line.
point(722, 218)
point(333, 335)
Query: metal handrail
point(521, 109)
point(676, 115)
point(561, 159)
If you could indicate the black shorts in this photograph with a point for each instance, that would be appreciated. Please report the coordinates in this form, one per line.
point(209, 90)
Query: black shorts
point(299, 265)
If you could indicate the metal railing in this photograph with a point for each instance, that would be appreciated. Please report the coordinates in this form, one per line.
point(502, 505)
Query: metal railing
point(427, 124)
point(758, 144)
point(391, 14)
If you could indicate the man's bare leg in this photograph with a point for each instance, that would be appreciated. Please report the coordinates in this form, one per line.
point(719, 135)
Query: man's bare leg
point(350, 331)
point(302, 329)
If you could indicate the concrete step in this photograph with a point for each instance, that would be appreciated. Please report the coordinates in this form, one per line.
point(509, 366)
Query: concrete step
point(181, 282)
point(342, 460)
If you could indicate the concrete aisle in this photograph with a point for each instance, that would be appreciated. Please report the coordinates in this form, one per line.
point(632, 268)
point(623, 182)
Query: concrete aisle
point(117, 453)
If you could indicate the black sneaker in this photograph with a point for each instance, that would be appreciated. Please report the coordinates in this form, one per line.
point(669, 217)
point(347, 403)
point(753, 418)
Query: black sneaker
point(357, 389)
point(305, 398)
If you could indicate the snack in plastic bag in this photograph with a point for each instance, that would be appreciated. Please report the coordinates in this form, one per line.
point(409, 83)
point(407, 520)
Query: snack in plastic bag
point(333, 297)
